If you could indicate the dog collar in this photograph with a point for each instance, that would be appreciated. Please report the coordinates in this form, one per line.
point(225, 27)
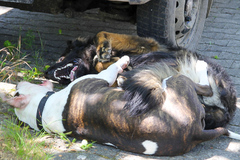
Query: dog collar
point(40, 109)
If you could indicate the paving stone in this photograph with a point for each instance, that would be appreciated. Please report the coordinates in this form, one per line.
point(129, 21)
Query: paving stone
point(221, 37)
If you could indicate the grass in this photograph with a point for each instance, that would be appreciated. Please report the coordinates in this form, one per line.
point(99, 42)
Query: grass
point(64, 137)
point(85, 145)
point(21, 143)
point(29, 40)
point(12, 59)
point(10, 63)
point(15, 141)
point(29, 75)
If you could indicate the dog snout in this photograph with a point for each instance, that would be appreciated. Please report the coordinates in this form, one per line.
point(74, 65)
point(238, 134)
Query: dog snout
point(48, 74)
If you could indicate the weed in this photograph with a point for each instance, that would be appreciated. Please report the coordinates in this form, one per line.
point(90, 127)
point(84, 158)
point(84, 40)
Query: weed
point(28, 41)
point(9, 46)
point(46, 67)
point(7, 43)
point(85, 145)
point(14, 56)
point(29, 75)
point(41, 41)
point(37, 52)
point(3, 64)
point(64, 137)
point(9, 63)
point(38, 59)
point(59, 31)
point(19, 141)
point(216, 57)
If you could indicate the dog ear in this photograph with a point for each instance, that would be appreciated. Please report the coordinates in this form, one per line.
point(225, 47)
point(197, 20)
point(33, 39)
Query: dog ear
point(69, 43)
point(60, 59)
point(20, 101)
point(120, 80)
point(47, 84)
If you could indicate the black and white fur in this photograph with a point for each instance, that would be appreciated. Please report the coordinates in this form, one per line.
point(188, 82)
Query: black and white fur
point(220, 107)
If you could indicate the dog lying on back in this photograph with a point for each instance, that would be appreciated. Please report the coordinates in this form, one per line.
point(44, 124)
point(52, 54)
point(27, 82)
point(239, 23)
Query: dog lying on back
point(78, 60)
point(168, 121)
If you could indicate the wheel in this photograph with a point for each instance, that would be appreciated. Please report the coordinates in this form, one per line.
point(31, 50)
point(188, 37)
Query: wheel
point(69, 12)
point(173, 22)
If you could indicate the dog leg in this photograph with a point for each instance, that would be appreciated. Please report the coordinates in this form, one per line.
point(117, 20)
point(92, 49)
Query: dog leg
point(104, 47)
point(110, 74)
point(111, 44)
point(100, 66)
point(203, 90)
point(214, 99)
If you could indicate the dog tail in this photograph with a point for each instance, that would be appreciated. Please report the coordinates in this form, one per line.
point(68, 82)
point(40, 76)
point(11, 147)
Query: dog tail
point(206, 135)
point(233, 135)
point(143, 88)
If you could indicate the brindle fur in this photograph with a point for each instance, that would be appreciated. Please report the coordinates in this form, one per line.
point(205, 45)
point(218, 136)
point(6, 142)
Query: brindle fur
point(101, 66)
point(174, 121)
point(215, 116)
point(142, 89)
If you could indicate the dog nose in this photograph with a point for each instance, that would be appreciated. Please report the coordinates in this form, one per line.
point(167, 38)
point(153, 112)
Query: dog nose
point(48, 74)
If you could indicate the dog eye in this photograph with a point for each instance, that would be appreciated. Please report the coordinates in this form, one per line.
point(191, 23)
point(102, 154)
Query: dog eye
point(60, 59)
point(75, 61)
point(16, 94)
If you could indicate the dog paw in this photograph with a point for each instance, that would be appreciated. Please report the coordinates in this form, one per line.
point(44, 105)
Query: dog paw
point(104, 52)
point(120, 80)
point(123, 62)
point(201, 65)
point(201, 70)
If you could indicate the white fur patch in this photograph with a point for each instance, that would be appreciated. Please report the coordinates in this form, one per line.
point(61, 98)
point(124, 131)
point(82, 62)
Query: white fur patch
point(201, 70)
point(164, 83)
point(150, 147)
point(187, 68)
point(196, 70)
point(110, 144)
point(233, 135)
point(204, 79)
point(215, 99)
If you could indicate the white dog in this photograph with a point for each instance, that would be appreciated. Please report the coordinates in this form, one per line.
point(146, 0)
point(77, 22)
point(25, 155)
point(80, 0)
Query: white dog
point(29, 96)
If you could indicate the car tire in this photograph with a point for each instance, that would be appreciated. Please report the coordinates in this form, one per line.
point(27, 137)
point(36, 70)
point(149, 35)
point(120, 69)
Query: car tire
point(172, 22)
